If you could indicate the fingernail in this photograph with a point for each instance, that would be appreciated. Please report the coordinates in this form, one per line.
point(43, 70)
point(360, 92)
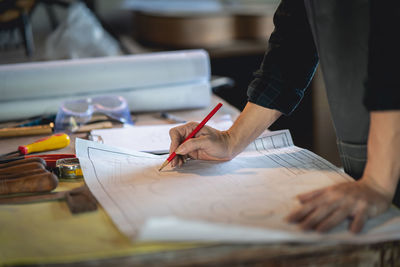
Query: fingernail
point(178, 150)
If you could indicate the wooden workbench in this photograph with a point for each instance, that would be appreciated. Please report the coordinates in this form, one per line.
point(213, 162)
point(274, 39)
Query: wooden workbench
point(379, 254)
point(382, 254)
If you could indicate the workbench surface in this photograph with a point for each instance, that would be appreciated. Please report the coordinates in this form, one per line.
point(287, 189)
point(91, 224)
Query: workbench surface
point(47, 234)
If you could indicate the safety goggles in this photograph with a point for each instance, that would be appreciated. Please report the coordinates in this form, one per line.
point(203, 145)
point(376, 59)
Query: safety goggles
point(75, 113)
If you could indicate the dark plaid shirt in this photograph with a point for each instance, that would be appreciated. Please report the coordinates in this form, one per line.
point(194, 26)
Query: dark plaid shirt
point(291, 59)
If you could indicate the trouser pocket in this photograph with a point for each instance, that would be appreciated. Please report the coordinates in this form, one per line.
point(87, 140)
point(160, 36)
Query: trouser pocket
point(354, 157)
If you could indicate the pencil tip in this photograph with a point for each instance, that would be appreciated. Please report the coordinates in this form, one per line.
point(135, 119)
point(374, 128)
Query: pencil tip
point(163, 165)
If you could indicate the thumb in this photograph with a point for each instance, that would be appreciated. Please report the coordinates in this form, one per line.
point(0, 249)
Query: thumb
point(189, 146)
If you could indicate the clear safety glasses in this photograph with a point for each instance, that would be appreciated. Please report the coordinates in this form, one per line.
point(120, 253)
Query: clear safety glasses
point(75, 113)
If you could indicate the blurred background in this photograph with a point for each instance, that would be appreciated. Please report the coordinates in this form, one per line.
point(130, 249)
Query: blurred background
point(234, 33)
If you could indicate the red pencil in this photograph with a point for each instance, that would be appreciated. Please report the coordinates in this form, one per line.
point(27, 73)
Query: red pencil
point(201, 124)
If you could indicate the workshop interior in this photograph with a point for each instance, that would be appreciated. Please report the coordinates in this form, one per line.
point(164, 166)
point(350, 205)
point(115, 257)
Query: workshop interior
point(234, 33)
point(89, 92)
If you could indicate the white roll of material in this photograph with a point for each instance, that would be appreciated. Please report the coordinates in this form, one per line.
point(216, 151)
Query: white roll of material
point(149, 82)
point(188, 96)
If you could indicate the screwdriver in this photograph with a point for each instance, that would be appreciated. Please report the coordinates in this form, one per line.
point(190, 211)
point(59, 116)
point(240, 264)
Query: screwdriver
point(56, 141)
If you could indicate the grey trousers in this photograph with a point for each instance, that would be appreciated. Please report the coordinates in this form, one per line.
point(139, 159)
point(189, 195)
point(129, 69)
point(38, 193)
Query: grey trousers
point(341, 31)
point(354, 157)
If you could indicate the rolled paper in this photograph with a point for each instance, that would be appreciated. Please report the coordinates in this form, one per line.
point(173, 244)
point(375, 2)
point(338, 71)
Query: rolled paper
point(149, 82)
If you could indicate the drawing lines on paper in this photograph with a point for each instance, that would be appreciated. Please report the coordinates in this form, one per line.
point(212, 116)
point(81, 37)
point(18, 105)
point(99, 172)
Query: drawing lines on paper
point(255, 214)
point(227, 201)
point(227, 210)
point(319, 163)
point(114, 201)
point(274, 141)
point(295, 160)
point(209, 209)
point(288, 167)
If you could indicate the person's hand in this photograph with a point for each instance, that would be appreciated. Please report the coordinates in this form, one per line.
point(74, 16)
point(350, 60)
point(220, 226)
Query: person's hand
point(325, 208)
point(207, 144)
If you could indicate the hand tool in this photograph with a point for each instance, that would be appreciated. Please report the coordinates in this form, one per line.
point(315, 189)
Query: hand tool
point(41, 182)
point(78, 200)
point(22, 174)
point(68, 168)
point(26, 130)
point(20, 160)
point(49, 159)
point(56, 141)
point(26, 176)
point(94, 126)
point(65, 166)
point(38, 120)
point(21, 167)
point(30, 176)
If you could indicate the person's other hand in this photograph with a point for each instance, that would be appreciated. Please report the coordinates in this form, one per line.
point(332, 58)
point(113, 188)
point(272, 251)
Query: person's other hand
point(207, 144)
point(325, 208)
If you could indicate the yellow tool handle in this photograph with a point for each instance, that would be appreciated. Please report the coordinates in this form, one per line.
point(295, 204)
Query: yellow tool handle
point(56, 141)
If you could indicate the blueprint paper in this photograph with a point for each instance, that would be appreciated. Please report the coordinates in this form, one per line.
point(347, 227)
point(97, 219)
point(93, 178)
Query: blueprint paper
point(242, 200)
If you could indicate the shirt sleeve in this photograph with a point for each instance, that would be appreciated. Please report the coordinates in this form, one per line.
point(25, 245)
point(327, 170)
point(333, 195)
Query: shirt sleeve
point(383, 82)
point(289, 63)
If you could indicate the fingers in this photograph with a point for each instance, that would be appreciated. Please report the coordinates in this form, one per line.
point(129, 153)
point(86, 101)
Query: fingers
point(321, 218)
point(311, 214)
point(321, 210)
point(360, 217)
point(300, 213)
point(191, 145)
point(316, 217)
point(177, 161)
point(333, 219)
point(185, 150)
point(178, 134)
point(181, 161)
point(358, 223)
point(311, 195)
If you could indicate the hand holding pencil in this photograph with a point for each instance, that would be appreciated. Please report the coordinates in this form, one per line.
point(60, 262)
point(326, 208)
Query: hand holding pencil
point(197, 141)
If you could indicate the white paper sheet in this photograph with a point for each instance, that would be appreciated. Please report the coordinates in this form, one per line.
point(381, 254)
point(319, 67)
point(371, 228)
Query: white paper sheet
point(153, 138)
point(242, 200)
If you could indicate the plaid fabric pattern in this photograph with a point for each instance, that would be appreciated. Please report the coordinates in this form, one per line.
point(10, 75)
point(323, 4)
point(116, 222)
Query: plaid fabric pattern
point(290, 62)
